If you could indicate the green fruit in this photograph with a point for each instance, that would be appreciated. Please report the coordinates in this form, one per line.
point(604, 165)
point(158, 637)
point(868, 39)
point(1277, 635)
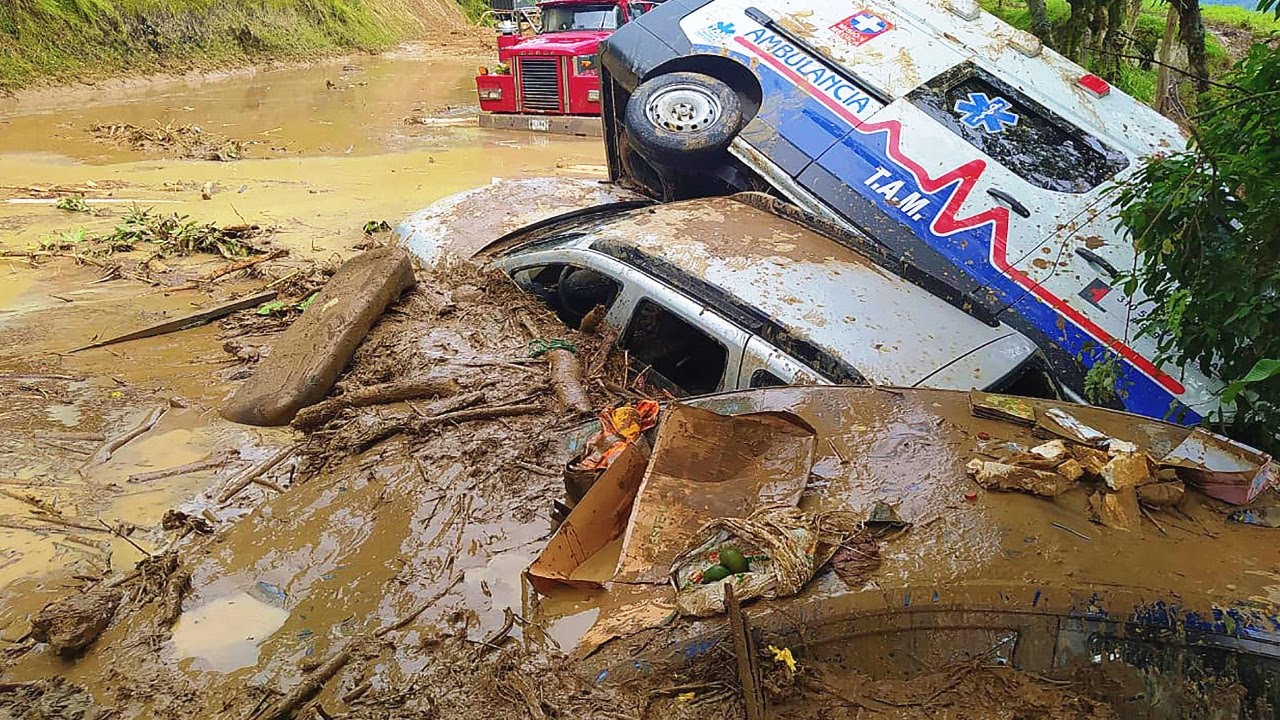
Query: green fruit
point(715, 573)
point(734, 560)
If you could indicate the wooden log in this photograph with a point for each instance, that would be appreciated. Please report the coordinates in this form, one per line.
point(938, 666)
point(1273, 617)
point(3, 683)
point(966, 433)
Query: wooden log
point(566, 380)
point(307, 359)
point(186, 321)
point(310, 418)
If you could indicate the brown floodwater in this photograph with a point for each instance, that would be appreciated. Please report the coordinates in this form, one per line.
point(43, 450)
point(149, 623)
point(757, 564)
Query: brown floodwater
point(330, 147)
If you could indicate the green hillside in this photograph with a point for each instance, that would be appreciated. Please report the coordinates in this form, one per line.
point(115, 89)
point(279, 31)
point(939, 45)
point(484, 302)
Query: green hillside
point(64, 40)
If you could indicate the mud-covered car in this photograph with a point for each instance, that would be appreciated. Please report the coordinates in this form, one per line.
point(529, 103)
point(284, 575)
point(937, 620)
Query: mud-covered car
point(724, 293)
point(929, 126)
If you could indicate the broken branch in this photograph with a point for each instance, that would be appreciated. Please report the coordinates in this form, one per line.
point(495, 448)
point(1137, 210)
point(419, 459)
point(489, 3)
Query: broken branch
point(186, 321)
point(305, 690)
point(211, 460)
point(108, 448)
point(242, 265)
point(313, 417)
point(244, 479)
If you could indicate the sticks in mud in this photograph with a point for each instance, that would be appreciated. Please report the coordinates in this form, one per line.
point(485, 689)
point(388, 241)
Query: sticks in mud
point(284, 708)
point(457, 409)
point(310, 418)
point(254, 474)
point(212, 460)
point(745, 650)
point(108, 448)
point(242, 265)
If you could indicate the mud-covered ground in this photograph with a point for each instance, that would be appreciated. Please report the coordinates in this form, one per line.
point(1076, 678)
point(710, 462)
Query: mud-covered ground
point(380, 562)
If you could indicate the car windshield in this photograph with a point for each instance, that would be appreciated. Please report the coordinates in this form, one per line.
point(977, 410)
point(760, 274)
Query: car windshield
point(581, 17)
point(1018, 132)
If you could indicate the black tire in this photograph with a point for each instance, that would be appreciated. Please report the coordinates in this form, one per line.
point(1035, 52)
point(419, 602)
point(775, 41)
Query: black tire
point(705, 132)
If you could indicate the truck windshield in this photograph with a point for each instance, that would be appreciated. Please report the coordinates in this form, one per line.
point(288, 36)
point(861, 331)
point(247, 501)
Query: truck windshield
point(581, 17)
point(1019, 133)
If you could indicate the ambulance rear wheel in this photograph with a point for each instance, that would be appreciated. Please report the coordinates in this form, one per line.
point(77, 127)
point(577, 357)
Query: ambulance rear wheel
point(680, 117)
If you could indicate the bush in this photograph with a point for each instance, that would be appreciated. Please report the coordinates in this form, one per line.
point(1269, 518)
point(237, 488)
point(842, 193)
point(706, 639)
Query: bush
point(1206, 225)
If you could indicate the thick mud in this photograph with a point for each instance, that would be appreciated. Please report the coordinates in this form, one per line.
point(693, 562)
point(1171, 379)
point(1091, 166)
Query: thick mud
point(321, 162)
point(378, 559)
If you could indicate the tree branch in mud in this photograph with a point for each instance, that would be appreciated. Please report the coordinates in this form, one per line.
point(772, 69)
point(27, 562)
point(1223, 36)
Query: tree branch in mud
point(212, 460)
point(284, 708)
point(254, 473)
point(108, 448)
point(242, 265)
point(312, 417)
point(186, 321)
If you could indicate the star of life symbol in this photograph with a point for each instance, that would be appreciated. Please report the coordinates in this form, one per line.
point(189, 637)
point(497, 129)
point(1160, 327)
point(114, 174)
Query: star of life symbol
point(861, 27)
point(990, 114)
point(717, 33)
point(866, 23)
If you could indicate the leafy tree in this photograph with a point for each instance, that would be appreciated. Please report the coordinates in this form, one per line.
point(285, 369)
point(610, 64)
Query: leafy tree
point(1206, 225)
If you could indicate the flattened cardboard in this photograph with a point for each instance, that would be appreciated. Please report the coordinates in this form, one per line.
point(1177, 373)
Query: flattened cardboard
point(599, 519)
point(707, 466)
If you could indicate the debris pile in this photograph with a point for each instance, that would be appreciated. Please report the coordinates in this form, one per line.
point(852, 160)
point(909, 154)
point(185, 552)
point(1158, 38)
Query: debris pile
point(184, 141)
point(1124, 482)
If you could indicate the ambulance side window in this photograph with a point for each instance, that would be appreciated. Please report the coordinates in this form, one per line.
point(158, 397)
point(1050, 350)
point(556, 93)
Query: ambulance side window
point(1018, 132)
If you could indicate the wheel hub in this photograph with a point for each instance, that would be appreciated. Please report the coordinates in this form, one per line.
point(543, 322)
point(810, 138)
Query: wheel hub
point(683, 108)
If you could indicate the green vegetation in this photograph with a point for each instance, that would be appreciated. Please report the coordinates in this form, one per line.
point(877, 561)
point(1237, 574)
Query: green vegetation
point(173, 234)
point(474, 9)
point(1206, 224)
point(1139, 78)
point(68, 39)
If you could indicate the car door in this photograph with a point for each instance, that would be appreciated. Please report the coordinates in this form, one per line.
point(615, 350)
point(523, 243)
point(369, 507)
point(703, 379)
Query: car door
point(677, 346)
point(765, 366)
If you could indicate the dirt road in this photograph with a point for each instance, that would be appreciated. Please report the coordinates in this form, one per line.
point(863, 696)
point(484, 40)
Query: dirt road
point(325, 149)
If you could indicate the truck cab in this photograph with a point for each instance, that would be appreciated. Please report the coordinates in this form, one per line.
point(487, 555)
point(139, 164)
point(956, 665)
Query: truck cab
point(964, 153)
point(549, 68)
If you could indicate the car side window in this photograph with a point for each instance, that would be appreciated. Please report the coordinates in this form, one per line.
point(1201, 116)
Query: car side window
point(571, 291)
point(766, 379)
point(677, 356)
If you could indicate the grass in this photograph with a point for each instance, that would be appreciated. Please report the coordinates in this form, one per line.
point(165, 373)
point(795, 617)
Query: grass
point(1136, 81)
point(1232, 16)
point(61, 40)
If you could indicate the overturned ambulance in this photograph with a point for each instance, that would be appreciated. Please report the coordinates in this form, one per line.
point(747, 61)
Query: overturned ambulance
point(973, 159)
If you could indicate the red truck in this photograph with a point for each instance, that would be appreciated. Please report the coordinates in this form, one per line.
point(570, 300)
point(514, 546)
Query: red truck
point(549, 81)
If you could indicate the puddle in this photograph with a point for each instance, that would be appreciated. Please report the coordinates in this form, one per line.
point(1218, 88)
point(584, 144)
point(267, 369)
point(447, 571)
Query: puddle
point(306, 110)
point(226, 634)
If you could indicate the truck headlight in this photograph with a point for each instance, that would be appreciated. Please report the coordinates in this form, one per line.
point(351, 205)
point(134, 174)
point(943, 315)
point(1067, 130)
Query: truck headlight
point(586, 64)
point(593, 96)
point(491, 94)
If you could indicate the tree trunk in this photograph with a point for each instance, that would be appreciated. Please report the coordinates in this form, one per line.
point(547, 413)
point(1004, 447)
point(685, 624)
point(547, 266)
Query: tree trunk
point(1039, 19)
point(1191, 28)
point(1166, 83)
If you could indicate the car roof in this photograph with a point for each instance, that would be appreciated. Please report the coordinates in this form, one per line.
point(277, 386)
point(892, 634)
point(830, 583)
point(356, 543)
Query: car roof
point(816, 289)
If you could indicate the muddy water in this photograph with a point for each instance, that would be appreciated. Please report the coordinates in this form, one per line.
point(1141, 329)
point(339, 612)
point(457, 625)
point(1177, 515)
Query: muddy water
point(330, 149)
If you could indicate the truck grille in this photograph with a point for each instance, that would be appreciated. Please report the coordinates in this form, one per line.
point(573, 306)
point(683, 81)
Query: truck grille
point(540, 84)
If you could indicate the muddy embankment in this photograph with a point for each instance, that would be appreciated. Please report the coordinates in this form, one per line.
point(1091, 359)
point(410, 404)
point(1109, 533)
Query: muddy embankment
point(44, 41)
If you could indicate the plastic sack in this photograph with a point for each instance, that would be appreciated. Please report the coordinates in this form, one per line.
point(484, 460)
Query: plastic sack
point(785, 548)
